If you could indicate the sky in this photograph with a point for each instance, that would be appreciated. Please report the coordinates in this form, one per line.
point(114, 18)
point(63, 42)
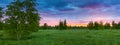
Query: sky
point(76, 12)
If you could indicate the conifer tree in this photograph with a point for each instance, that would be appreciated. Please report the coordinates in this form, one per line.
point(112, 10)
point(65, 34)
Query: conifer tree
point(65, 24)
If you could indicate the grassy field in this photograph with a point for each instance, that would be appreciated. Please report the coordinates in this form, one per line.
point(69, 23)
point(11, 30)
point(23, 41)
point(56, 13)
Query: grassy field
point(70, 37)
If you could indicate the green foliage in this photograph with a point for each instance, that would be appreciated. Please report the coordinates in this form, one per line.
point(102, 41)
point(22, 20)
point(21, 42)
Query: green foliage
point(23, 19)
point(31, 15)
point(1, 16)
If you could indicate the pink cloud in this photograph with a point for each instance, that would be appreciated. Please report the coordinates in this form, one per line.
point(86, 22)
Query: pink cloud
point(95, 6)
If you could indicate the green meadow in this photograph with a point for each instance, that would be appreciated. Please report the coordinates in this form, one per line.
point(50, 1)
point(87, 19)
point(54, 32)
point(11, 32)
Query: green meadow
point(69, 37)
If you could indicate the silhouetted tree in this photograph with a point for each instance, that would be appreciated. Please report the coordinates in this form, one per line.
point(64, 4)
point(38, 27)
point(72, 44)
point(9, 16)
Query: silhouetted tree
point(56, 27)
point(65, 24)
point(114, 25)
point(107, 26)
point(61, 25)
point(101, 26)
point(45, 26)
point(96, 26)
point(90, 25)
point(1, 16)
point(118, 25)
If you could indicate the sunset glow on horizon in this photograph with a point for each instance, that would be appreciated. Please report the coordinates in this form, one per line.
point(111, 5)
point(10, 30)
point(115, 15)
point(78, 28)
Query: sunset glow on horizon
point(76, 12)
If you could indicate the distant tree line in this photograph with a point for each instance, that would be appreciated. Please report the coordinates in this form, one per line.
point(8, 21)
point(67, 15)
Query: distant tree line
point(91, 26)
point(99, 25)
point(62, 26)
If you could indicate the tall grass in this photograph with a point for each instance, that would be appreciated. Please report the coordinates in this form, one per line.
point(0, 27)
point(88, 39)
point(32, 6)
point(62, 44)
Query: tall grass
point(69, 37)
